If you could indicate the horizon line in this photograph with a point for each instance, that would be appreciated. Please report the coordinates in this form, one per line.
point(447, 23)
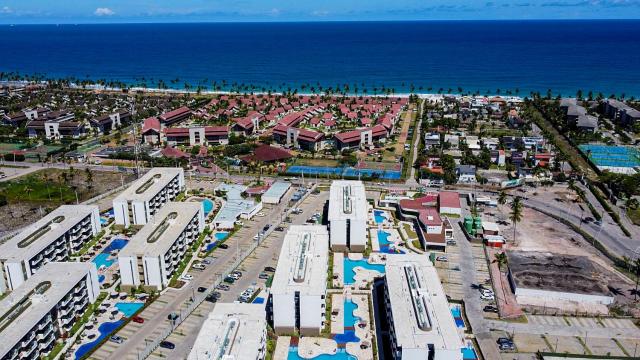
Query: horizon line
point(308, 21)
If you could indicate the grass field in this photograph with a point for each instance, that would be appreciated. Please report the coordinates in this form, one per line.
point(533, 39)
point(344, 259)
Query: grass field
point(634, 216)
point(317, 162)
point(36, 188)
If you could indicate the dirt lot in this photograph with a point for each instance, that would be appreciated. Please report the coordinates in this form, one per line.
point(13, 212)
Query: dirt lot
point(538, 232)
point(47, 189)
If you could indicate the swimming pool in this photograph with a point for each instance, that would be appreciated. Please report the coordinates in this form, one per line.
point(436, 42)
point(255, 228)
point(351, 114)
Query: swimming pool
point(103, 260)
point(387, 246)
point(379, 217)
point(469, 353)
point(341, 354)
point(128, 308)
point(207, 204)
point(457, 316)
point(258, 300)
point(116, 244)
point(105, 330)
point(221, 235)
point(350, 265)
point(103, 221)
point(101, 278)
point(211, 246)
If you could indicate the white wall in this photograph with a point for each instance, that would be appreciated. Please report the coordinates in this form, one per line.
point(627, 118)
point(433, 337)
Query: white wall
point(557, 295)
point(93, 285)
point(121, 213)
point(128, 266)
point(311, 313)
point(14, 274)
point(450, 210)
point(153, 272)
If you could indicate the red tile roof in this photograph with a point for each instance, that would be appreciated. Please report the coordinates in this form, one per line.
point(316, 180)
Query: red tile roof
point(450, 199)
point(175, 113)
point(151, 123)
point(268, 153)
point(216, 130)
point(174, 153)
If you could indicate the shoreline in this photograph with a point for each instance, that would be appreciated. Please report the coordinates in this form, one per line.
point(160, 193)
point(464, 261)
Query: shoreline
point(421, 95)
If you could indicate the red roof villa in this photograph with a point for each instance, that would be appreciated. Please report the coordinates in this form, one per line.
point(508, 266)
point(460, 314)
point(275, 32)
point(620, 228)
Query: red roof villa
point(175, 116)
point(360, 137)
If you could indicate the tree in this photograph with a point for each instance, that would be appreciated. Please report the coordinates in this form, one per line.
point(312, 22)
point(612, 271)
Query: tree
point(636, 265)
point(88, 177)
point(501, 259)
point(516, 214)
point(502, 198)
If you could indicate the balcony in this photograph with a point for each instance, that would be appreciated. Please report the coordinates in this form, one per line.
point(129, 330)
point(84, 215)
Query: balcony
point(26, 341)
point(27, 352)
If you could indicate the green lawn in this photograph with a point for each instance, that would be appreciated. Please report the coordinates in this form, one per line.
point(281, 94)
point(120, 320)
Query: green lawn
point(409, 230)
point(634, 215)
point(35, 188)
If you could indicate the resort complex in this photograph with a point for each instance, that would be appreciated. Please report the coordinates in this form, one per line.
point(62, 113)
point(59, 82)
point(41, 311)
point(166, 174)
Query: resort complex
point(347, 217)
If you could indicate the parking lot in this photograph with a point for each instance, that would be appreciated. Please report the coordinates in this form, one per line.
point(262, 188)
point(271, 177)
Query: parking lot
point(266, 255)
point(449, 272)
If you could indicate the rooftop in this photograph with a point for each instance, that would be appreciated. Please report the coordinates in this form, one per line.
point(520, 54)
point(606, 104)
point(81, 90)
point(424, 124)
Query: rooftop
point(303, 262)
point(37, 236)
point(158, 235)
point(232, 332)
point(562, 273)
point(149, 185)
point(23, 308)
point(347, 200)
point(277, 189)
point(419, 305)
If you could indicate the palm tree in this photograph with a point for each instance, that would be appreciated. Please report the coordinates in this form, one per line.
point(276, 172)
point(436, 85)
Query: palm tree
point(636, 264)
point(89, 177)
point(516, 214)
point(501, 259)
point(502, 198)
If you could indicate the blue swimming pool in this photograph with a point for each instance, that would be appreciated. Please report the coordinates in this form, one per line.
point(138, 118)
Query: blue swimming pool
point(221, 235)
point(128, 309)
point(101, 278)
point(349, 265)
point(349, 318)
point(379, 217)
point(116, 244)
point(103, 260)
point(341, 354)
point(258, 300)
point(103, 221)
point(207, 205)
point(457, 316)
point(469, 354)
point(105, 330)
point(386, 246)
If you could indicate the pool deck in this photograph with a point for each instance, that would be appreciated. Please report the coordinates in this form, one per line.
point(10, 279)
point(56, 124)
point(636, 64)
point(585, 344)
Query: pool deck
point(338, 269)
point(282, 348)
point(365, 334)
point(310, 347)
point(337, 321)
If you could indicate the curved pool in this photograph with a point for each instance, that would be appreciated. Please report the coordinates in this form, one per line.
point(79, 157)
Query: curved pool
point(207, 204)
point(105, 330)
point(350, 265)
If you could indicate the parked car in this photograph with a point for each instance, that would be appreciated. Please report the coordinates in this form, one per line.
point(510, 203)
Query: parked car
point(223, 287)
point(490, 308)
point(186, 277)
point(279, 228)
point(269, 269)
point(223, 246)
point(487, 297)
point(229, 280)
point(216, 294)
point(202, 289)
point(172, 316)
point(504, 340)
point(237, 273)
point(442, 258)
point(137, 319)
point(207, 261)
point(507, 347)
point(451, 242)
point(263, 275)
point(256, 237)
point(116, 339)
point(266, 227)
point(211, 298)
point(198, 266)
point(167, 345)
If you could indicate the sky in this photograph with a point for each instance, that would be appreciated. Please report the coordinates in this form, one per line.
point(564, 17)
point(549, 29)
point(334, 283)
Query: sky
point(123, 11)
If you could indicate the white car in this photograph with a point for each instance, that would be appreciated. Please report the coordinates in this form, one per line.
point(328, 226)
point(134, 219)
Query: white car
point(442, 258)
point(186, 277)
point(487, 297)
point(198, 266)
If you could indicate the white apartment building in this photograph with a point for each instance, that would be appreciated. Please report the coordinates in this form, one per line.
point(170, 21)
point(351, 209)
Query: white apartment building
point(348, 209)
point(232, 332)
point(140, 201)
point(45, 308)
point(299, 285)
point(59, 234)
point(416, 308)
point(154, 253)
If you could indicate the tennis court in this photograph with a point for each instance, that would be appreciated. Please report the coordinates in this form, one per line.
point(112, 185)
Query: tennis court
point(612, 156)
point(344, 172)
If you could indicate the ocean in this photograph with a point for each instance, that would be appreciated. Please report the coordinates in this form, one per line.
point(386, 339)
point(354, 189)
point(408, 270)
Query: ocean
point(477, 56)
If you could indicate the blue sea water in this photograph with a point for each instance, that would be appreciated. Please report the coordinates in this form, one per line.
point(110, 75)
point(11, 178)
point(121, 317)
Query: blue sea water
point(599, 55)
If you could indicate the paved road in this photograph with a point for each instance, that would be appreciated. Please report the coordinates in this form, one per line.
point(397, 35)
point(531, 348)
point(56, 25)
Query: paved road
point(266, 255)
point(173, 300)
point(411, 179)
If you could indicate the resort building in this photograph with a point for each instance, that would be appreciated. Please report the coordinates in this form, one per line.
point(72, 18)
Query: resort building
point(449, 203)
point(197, 135)
point(106, 123)
point(298, 138)
point(45, 308)
point(140, 201)
point(175, 116)
point(276, 192)
point(620, 112)
point(413, 318)
point(360, 137)
point(55, 237)
point(433, 232)
point(235, 206)
point(56, 125)
point(348, 215)
point(232, 332)
point(155, 252)
point(297, 300)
